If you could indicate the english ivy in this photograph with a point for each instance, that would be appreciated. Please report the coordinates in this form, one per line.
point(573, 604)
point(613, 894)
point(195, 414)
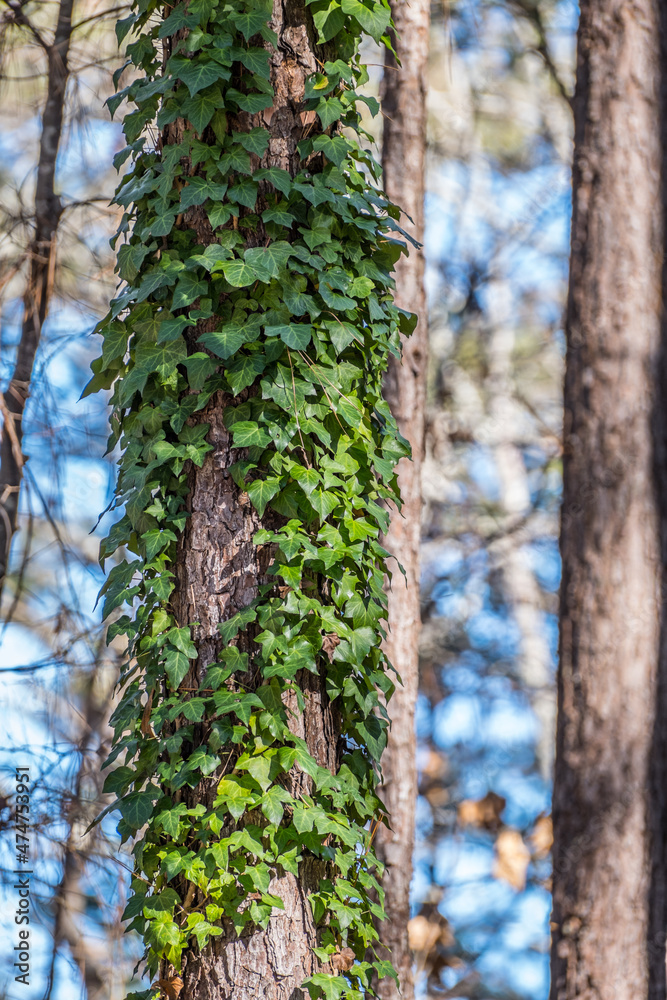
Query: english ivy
point(295, 287)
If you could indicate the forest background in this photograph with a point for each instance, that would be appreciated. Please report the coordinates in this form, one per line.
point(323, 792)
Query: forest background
point(497, 217)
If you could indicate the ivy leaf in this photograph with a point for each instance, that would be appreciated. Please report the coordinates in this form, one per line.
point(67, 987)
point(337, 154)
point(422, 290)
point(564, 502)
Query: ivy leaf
point(256, 141)
point(373, 735)
point(329, 21)
point(219, 214)
point(176, 665)
point(162, 902)
point(251, 22)
point(188, 289)
point(323, 502)
point(223, 343)
point(238, 273)
point(244, 193)
point(182, 640)
point(295, 335)
point(329, 111)
point(172, 328)
point(171, 820)
point(233, 796)
point(236, 159)
point(261, 491)
point(272, 804)
point(116, 782)
point(279, 216)
point(248, 434)
point(233, 626)
point(156, 540)
point(252, 103)
point(295, 298)
point(137, 808)
point(115, 341)
point(267, 262)
point(374, 19)
point(254, 59)
point(243, 372)
point(280, 179)
point(197, 190)
point(308, 479)
point(335, 149)
point(361, 287)
point(199, 110)
point(332, 987)
point(211, 257)
point(167, 934)
point(197, 73)
point(179, 18)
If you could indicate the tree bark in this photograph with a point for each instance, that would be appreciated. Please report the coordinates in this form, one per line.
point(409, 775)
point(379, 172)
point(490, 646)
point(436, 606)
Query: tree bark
point(609, 870)
point(403, 157)
point(41, 253)
point(219, 570)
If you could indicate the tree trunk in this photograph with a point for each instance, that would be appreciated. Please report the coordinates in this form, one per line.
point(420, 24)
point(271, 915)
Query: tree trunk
point(403, 155)
point(219, 570)
point(609, 871)
point(41, 253)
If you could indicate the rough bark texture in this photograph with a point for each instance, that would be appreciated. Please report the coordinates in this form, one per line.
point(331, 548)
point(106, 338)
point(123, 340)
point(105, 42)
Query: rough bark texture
point(218, 573)
point(403, 153)
point(41, 255)
point(608, 869)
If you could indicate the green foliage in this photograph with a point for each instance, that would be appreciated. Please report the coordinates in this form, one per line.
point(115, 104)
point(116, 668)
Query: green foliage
point(297, 281)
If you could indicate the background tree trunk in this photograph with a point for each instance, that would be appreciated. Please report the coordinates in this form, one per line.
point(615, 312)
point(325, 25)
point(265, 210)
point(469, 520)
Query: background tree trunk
point(605, 944)
point(41, 253)
point(403, 156)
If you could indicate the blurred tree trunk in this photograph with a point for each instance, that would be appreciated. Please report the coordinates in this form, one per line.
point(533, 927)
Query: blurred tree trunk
point(609, 812)
point(41, 257)
point(403, 155)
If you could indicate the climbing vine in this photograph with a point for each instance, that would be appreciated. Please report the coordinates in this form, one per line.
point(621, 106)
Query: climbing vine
point(269, 289)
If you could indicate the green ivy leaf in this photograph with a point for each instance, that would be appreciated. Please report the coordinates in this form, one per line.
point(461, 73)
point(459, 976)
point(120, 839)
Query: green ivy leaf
point(248, 434)
point(199, 110)
point(238, 274)
point(197, 73)
point(374, 18)
point(252, 103)
point(137, 808)
point(267, 262)
point(323, 502)
point(295, 335)
point(255, 141)
point(198, 190)
point(233, 796)
point(243, 372)
point(176, 665)
point(250, 22)
point(261, 491)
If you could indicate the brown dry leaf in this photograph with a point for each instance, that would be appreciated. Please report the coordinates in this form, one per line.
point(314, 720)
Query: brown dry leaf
point(329, 643)
point(171, 987)
point(146, 728)
point(343, 960)
point(482, 812)
point(437, 796)
point(435, 766)
point(424, 934)
point(512, 859)
point(542, 837)
point(307, 117)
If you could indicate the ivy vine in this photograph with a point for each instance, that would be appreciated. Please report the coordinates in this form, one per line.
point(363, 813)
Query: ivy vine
point(286, 308)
